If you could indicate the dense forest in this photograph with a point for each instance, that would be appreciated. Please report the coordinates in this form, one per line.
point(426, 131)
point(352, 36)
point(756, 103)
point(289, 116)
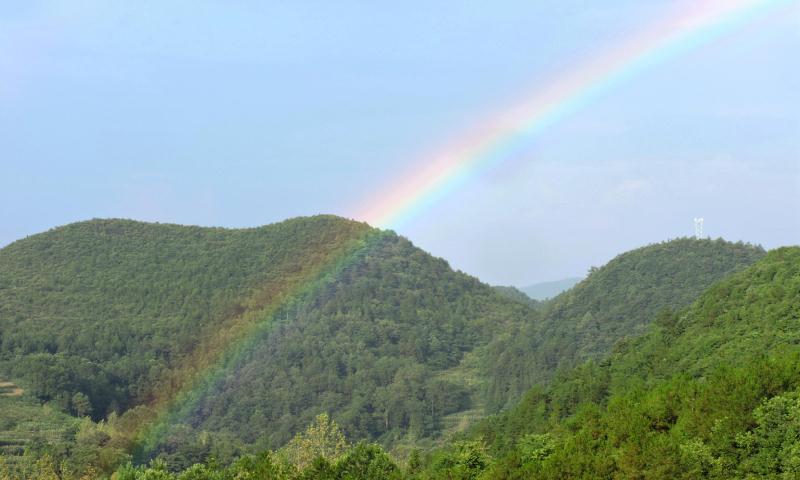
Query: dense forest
point(107, 318)
point(357, 355)
point(617, 300)
point(710, 391)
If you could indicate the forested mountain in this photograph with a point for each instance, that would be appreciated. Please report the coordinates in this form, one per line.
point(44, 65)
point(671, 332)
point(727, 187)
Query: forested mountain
point(615, 301)
point(241, 338)
point(103, 316)
point(515, 294)
point(711, 391)
point(104, 307)
point(375, 349)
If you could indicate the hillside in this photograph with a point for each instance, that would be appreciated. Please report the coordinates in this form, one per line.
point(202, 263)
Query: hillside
point(24, 423)
point(544, 290)
point(709, 392)
point(262, 329)
point(615, 301)
point(188, 343)
point(515, 294)
point(103, 307)
point(622, 297)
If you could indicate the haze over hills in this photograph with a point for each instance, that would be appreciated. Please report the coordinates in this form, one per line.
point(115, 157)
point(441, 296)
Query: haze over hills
point(545, 290)
point(265, 328)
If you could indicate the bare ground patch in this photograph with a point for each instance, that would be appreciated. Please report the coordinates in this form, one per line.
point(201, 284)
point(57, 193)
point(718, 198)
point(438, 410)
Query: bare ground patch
point(8, 389)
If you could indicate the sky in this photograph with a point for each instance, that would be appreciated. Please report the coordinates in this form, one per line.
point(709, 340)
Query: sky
point(242, 113)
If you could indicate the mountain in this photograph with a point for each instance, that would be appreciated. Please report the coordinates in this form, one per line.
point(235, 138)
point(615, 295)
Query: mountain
point(515, 294)
point(615, 301)
point(262, 329)
point(545, 290)
point(710, 391)
point(186, 343)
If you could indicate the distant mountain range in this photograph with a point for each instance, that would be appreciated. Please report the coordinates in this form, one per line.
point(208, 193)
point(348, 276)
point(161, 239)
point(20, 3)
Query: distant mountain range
point(545, 290)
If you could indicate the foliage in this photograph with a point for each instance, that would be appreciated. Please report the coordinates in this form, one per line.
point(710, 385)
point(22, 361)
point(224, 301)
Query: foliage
point(513, 293)
point(709, 392)
point(464, 460)
point(320, 439)
point(106, 317)
point(615, 301)
point(363, 461)
point(673, 361)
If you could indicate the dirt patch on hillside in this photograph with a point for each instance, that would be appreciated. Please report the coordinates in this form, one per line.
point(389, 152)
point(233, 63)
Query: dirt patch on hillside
point(8, 389)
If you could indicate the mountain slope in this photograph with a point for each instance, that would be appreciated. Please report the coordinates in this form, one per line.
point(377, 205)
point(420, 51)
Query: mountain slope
point(107, 315)
point(725, 404)
point(262, 329)
point(104, 306)
point(615, 301)
point(741, 317)
point(515, 294)
point(709, 392)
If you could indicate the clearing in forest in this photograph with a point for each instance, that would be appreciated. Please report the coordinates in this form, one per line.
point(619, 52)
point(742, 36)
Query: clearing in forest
point(8, 389)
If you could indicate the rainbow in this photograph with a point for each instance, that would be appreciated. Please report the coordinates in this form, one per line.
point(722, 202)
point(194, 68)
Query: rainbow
point(438, 174)
point(228, 344)
point(176, 397)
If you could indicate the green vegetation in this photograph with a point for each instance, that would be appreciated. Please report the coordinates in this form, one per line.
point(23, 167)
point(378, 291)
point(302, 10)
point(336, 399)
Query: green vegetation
point(108, 317)
point(619, 300)
point(515, 294)
point(26, 424)
point(319, 453)
point(104, 307)
point(374, 349)
point(676, 360)
point(710, 392)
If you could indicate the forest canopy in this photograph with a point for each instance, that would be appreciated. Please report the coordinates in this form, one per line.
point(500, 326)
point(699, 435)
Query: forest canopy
point(406, 368)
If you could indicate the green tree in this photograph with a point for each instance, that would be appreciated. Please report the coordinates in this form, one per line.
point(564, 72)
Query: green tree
point(322, 438)
point(81, 405)
point(367, 461)
point(772, 449)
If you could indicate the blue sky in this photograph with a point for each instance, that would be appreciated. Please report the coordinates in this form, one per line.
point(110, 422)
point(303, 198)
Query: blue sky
point(244, 113)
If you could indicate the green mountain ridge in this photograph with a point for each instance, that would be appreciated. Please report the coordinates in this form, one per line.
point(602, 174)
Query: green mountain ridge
point(692, 398)
point(107, 318)
point(615, 301)
point(515, 294)
point(709, 392)
point(116, 313)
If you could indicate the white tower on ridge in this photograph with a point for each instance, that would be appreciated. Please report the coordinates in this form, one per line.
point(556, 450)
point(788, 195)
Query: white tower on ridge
point(698, 227)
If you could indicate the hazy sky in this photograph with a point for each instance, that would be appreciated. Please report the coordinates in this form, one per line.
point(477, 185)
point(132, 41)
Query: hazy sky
point(241, 113)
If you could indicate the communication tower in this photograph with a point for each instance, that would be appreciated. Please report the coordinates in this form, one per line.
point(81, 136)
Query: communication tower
point(698, 227)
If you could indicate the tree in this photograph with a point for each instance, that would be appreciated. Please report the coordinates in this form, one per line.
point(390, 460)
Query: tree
point(774, 445)
point(322, 438)
point(466, 460)
point(81, 405)
point(367, 461)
